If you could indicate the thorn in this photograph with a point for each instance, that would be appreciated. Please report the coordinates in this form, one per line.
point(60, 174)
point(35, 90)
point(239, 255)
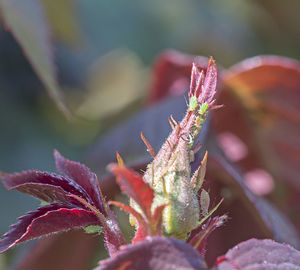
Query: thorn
point(120, 160)
point(211, 61)
point(178, 129)
point(149, 146)
point(171, 124)
point(216, 107)
point(173, 120)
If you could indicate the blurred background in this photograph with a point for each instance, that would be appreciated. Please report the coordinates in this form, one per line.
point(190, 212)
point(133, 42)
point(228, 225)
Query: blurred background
point(103, 50)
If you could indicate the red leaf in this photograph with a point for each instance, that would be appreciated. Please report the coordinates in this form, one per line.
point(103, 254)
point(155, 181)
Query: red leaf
point(155, 253)
point(82, 176)
point(260, 254)
point(45, 220)
point(132, 183)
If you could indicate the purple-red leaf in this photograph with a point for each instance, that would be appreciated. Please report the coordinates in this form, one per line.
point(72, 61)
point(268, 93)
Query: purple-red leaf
point(81, 204)
point(155, 253)
point(260, 254)
point(82, 176)
point(46, 220)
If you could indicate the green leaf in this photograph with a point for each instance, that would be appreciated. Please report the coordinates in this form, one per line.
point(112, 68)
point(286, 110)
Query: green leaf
point(27, 23)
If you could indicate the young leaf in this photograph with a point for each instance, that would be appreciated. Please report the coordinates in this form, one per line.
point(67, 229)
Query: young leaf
point(132, 183)
point(260, 254)
point(155, 253)
point(143, 229)
point(141, 196)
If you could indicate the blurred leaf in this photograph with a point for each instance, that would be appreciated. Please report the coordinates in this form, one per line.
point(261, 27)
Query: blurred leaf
point(242, 207)
point(61, 252)
point(26, 21)
point(115, 81)
point(272, 223)
point(63, 20)
point(262, 95)
point(155, 253)
point(260, 254)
